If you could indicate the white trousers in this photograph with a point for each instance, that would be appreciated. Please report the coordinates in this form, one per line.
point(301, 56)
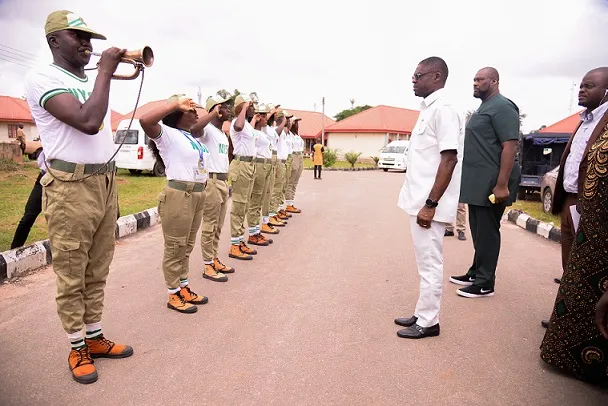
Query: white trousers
point(428, 246)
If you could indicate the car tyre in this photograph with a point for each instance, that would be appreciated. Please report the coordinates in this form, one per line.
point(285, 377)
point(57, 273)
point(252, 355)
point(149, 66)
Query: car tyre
point(135, 171)
point(159, 169)
point(547, 200)
point(385, 169)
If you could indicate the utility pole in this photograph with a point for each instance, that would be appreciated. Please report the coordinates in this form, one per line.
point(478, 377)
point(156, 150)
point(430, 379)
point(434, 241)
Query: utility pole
point(323, 122)
point(572, 94)
point(200, 96)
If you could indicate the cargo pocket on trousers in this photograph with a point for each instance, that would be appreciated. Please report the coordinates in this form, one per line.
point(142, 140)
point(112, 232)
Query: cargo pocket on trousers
point(208, 228)
point(161, 203)
point(176, 246)
point(65, 256)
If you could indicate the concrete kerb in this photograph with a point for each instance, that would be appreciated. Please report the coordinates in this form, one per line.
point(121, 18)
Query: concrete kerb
point(545, 230)
point(20, 261)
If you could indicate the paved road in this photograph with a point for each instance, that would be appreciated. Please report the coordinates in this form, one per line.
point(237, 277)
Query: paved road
point(309, 321)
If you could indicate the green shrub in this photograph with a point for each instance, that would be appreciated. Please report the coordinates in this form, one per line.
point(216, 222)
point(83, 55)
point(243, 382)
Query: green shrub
point(330, 156)
point(376, 159)
point(352, 157)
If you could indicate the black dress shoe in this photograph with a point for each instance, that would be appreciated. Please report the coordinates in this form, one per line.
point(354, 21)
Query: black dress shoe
point(416, 331)
point(406, 322)
point(557, 280)
point(544, 323)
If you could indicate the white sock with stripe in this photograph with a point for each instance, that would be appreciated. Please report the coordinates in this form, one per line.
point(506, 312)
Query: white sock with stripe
point(265, 219)
point(235, 240)
point(173, 291)
point(258, 229)
point(76, 340)
point(183, 283)
point(252, 230)
point(93, 330)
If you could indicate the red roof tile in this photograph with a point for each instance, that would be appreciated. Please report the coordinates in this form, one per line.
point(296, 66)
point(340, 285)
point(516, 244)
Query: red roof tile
point(312, 121)
point(14, 110)
point(565, 126)
point(379, 119)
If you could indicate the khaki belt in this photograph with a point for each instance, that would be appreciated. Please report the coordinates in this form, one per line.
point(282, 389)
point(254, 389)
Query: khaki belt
point(186, 186)
point(262, 160)
point(298, 153)
point(218, 176)
point(70, 167)
point(243, 158)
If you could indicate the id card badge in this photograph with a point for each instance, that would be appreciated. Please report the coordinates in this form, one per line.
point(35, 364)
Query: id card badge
point(200, 170)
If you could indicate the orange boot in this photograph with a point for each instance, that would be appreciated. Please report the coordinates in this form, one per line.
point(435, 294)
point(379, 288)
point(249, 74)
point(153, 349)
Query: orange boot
point(178, 303)
point(235, 252)
point(292, 209)
point(244, 248)
point(258, 239)
point(213, 275)
point(81, 365)
point(282, 215)
point(101, 347)
point(269, 229)
point(219, 267)
point(275, 221)
point(191, 297)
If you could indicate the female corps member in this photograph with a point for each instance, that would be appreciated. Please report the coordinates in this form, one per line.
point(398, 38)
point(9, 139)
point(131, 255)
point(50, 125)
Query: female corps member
point(297, 165)
point(241, 174)
point(278, 192)
point(317, 159)
point(180, 204)
point(268, 225)
point(216, 192)
point(263, 166)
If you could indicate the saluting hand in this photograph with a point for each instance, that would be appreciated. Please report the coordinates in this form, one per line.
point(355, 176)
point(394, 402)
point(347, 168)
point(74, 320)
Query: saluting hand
point(186, 104)
point(217, 112)
point(110, 58)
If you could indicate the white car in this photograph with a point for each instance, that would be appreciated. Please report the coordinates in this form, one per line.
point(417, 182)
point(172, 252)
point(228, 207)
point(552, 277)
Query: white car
point(394, 156)
point(134, 154)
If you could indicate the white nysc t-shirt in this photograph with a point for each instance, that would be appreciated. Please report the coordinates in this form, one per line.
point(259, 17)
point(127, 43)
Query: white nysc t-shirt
point(271, 132)
point(243, 142)
point(282, 147)
point(183, 155)
point(60, 140)
point(440, 127)
point(217, 144)
point(262, 145)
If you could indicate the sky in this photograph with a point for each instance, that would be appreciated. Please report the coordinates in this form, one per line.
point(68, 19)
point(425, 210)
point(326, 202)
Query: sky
point(297, 52)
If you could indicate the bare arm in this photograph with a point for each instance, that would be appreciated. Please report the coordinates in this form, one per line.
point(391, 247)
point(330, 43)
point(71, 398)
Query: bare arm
point(239, 124)
point(507, 160)
point(449, 159)
point(88, 117)
point(203, 121)
point(150, 121)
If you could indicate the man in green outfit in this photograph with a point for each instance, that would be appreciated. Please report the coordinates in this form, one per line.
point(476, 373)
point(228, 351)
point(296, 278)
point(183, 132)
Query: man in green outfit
point(489, 167)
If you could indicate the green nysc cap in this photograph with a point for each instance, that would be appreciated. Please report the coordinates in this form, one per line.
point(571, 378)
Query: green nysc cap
point(66, 20)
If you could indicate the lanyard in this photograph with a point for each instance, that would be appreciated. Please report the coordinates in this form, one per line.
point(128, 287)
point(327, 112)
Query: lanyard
point(195, 143)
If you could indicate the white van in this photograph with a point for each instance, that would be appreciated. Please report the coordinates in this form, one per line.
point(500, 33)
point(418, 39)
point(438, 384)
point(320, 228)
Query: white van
point(394, 156)
point(134, 154)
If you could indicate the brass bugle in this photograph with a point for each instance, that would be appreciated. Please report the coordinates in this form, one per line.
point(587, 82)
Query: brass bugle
point(139, 59)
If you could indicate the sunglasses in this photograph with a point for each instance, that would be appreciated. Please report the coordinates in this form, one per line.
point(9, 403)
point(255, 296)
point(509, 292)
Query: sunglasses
point(418, 75)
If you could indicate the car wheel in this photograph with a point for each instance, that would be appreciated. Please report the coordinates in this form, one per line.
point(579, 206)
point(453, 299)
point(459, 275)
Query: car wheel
point(521, 194)
point(135, 171)
point(547, 200)
point(385, 169)
point(159, 169)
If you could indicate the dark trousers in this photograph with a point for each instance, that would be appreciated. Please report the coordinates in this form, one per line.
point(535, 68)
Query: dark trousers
point(317, 167)
point(33, 207)
point(485, 230)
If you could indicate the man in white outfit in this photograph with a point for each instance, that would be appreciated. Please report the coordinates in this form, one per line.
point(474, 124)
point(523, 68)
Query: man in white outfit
point(431, 190)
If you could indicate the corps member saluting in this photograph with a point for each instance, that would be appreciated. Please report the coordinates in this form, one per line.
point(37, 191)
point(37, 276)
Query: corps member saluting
point(297, 165)
point(79, 190)
point(180, 204)
point(278, 192)
point(263, 166)
point(271, 132)
point(216, 192)
point(241, 174)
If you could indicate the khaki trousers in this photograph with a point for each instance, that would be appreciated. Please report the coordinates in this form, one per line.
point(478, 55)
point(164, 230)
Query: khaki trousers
point(81, 218)
point(461, 219)
point(288, 164)
point(294, 177)
point(269, 188)
point(278, 190)
point(261, 179)
point(214, 213)
point(240, 176)
point(180, 213)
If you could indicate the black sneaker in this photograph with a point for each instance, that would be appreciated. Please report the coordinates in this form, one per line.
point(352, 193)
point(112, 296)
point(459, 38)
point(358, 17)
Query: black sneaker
point(464, 280)
point(461, 236)
point(475, 291)
point(448, 233)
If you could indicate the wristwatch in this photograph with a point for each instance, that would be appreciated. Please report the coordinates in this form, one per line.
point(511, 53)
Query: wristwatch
point(431, 203)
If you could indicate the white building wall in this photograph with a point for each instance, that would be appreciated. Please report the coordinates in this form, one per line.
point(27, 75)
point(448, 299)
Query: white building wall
point(369, 144)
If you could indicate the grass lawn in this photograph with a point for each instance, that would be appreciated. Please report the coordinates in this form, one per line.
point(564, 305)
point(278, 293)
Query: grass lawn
point(535, 209)
point(135, 193)
point(339, 164)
